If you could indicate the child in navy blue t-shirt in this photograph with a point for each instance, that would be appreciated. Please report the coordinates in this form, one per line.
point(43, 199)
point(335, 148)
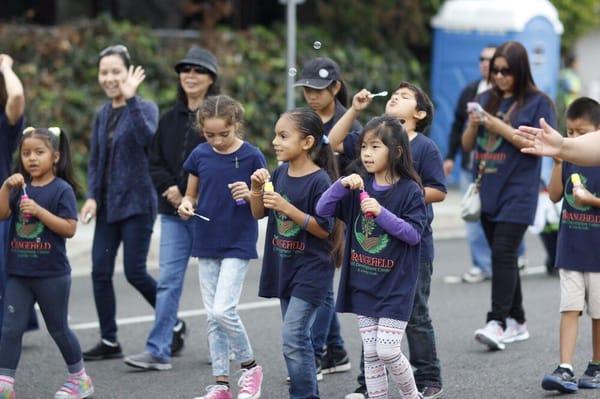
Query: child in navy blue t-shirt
point(414, 109)
point(41, 198)
point(298, 261)
point(224, 238)
point(385, 221)
point(576, 258)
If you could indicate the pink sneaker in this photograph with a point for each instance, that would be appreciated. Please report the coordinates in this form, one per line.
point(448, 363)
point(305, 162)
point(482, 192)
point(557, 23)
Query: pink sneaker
point(250, 383)
point(216, 392)
point(76, 387)
point(491, 335)
point(7, 387)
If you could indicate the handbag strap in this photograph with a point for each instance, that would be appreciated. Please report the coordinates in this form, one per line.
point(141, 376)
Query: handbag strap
point(481, 166)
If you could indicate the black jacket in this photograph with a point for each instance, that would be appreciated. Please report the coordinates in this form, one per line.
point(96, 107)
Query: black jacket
point(175, 139)
point(458, 126)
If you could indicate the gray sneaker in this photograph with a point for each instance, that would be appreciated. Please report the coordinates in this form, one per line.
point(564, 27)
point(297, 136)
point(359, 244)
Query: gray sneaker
point(146, 361)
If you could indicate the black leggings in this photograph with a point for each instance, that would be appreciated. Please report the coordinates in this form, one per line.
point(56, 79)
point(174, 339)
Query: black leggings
point(507, 299)
point(52, 294)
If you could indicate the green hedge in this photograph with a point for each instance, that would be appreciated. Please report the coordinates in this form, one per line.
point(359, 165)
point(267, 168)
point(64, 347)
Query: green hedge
point(58, 69)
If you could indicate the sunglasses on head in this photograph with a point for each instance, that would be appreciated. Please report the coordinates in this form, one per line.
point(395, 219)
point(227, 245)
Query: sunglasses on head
point(195, 68)
point(116, 49)
point(501, 71)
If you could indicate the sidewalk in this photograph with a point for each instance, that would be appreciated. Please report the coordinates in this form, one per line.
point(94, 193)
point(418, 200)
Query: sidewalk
point(447, 224)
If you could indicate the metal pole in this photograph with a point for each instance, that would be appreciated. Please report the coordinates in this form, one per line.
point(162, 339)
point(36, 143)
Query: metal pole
point(291, 51)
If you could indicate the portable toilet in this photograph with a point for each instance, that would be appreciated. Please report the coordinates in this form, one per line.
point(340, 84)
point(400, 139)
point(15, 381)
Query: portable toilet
point(463, 27)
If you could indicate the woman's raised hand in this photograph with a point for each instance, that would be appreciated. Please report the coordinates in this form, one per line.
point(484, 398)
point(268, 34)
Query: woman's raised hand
point(135, 76)
point(545, 141)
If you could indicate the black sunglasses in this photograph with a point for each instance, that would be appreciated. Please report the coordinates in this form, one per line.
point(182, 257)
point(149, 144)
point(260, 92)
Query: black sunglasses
point(481, 59)
point(195, 68)
point(116, 49)
point(501, 71)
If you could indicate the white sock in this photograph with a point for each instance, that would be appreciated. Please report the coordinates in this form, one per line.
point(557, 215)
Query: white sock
point(566, 366)
point(111, 344)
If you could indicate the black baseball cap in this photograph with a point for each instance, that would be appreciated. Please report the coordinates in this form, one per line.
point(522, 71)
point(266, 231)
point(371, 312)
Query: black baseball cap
point(319, 73)
point(199, 57)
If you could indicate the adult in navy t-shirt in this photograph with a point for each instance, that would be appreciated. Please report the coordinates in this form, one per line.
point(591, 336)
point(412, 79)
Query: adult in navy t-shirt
point(380, 271)
point(297, 263)
point(232, 231)
point(510, 184)
point(429, 165)
point(579, 233)
point(35, 250)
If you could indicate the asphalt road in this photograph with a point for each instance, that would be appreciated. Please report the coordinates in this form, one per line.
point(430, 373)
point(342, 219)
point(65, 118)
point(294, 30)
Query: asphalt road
point(469, 370)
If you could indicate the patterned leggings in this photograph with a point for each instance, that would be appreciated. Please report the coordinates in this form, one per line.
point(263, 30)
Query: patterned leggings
point(381, 341)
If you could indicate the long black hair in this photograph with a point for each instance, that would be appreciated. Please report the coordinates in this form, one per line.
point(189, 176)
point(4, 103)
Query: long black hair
point(518, 64)
point(308, 123)
point(392, 134)
point(56, 139)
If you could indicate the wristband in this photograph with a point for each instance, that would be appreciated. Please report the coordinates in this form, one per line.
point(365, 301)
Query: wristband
point(306, 220)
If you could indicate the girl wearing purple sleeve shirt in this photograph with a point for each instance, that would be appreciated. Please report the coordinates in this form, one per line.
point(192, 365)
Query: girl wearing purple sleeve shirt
point(381, 261)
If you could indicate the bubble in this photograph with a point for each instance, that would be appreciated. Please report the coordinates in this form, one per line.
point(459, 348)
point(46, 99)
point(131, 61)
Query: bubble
point(317, 45)
point(323, 73)
point(292, 71)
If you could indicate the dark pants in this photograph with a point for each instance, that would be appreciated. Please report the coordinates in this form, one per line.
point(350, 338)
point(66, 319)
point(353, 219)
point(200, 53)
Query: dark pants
point(52, 294)
point(507, 299)
point(32, 324)
point(135, 233)
point(420, 335)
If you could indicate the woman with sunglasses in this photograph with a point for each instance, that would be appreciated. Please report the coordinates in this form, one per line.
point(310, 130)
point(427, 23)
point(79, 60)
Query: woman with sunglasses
point(508, 182)
point(120, 192)
point(175, 139)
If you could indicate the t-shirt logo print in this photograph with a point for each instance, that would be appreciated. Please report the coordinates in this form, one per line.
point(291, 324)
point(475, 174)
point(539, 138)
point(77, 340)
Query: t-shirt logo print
point(490, 142)
point(363, 231)
point(285, 226)
point(571, 199)
point(30, 229)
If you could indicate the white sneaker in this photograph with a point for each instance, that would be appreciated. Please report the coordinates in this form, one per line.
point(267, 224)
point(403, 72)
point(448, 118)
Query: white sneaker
point(514, 332)
point(473, 276)
point(491, 335)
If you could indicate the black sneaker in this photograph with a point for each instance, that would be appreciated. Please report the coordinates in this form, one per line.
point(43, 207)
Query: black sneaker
point(562, 380)
point(591, 378)
point(429, 392)
point(317, 367)
point(336, 360)
point(178, 341)
point(103, 351)
point(359, 393)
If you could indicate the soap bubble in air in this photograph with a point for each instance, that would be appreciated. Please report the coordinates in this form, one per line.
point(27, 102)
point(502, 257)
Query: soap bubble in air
point(317, 45)
point(292, 71)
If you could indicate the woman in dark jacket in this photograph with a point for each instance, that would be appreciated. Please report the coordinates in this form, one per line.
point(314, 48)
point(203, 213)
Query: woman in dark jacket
point(175, 139)
point(120, 191)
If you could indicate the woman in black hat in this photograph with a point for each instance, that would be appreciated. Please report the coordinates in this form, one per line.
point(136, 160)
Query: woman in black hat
point(174, 141)
point(120, 193)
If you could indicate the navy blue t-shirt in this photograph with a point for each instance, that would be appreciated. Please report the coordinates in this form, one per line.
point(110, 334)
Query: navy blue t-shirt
point(232, 231)
point(579, 232)
point(35, 250)
point(510, 184)
point(9, 137)
point(342, 159)
point(380, 272)
point(296, 263)
point(429, 165)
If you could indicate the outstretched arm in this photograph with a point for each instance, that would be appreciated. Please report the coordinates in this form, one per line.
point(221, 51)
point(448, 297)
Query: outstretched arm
point(340, 130)
point(15, 102)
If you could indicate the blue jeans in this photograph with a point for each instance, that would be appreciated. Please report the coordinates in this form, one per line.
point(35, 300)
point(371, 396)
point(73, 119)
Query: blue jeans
point(298, 318)
point(481, 254)
point(221, 282)
point(420, 335)
point(135, 233)
point(52, 294)
point(326, 329)
point(175, 249)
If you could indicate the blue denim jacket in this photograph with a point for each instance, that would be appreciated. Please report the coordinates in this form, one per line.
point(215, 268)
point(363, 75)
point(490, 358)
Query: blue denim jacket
point(130, 191)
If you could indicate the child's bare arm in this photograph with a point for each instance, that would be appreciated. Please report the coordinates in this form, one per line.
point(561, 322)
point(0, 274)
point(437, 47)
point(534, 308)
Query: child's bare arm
point(555, 187)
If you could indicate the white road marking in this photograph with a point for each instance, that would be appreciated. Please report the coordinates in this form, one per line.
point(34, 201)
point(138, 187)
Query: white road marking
point(528, 271)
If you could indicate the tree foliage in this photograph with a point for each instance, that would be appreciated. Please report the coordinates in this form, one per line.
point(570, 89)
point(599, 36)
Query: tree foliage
point(578, 17)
